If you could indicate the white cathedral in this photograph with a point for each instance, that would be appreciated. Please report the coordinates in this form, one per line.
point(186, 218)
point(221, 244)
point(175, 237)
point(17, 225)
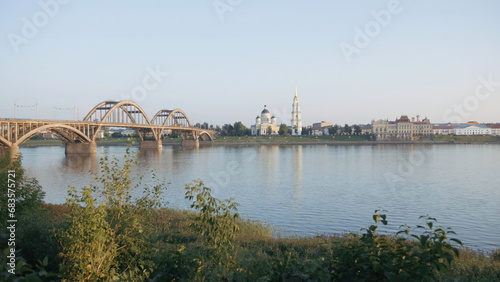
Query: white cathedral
point(265, 124)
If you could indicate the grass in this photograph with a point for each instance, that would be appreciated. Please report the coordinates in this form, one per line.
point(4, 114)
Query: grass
point(260, 256)
point(471, 138)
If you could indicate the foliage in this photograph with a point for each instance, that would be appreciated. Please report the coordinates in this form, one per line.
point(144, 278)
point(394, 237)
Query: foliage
point(117, 134)
point(175, 133)
point(283, 129)
point(108, 239)
point(374, 257)
point(216, 224)
point(33, 238)
point(23, 271)
point(357, 129)
point(28, 192)
point(333, 130)
point(236, 129)
point(347, 129)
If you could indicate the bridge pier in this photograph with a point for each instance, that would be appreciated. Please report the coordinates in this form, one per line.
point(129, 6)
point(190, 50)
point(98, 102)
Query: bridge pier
point(81, 148)
point(190, 143)
point(151, 144)
point(14, 151)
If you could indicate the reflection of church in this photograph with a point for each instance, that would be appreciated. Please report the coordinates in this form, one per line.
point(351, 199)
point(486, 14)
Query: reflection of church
point(265, 124)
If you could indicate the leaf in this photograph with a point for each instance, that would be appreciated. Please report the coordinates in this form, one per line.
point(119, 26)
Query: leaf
point(456, 241)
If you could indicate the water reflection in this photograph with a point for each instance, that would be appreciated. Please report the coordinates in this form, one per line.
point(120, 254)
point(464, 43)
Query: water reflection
point(297, 171)
point(269, 163)
point(78, 163)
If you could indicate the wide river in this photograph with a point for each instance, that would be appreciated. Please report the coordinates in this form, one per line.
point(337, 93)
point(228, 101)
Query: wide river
point(315, 189)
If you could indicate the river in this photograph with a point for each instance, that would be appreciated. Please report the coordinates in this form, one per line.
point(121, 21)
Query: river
point(315, 189)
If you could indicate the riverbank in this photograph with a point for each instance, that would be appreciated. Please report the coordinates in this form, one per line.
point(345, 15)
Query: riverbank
point(361, 140)
point(180, 253)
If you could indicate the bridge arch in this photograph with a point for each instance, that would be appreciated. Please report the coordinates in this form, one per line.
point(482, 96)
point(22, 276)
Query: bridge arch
point(62, 130)
point(118, 112)
point(175, 117)
point(205, 136)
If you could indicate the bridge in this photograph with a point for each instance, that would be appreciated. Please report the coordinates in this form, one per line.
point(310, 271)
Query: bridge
point(80, 136)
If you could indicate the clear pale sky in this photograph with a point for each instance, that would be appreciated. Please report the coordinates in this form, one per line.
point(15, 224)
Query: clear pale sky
point(225, 65)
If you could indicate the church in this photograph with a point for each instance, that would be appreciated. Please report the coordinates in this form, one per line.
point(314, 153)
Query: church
point(265, 124)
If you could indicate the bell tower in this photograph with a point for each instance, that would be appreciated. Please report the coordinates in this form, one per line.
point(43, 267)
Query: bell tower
point(296, 116)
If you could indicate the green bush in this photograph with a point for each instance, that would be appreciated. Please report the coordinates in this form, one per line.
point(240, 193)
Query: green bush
point(109, 239)
point(33, 237)
point(374, 257)
point(217, 225)
point(28, 192)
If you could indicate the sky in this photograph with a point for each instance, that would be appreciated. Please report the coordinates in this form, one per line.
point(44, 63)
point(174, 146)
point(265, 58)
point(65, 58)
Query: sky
point(221, 61)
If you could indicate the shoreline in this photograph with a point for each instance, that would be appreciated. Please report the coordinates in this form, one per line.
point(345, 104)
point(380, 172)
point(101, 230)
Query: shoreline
point(284, 143)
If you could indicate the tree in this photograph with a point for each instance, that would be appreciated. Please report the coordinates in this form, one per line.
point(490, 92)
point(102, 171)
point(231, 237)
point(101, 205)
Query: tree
point(106, 132)
point(304, 130)
point(117, 134)
point(227, 130)
point(175, 133)
point(283, 129)
point(333, 130)
point(239, 129)
point(357, 129)
point(269, 130)
point(347, 129)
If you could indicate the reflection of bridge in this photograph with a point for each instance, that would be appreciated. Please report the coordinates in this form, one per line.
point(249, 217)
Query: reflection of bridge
point(80, 136)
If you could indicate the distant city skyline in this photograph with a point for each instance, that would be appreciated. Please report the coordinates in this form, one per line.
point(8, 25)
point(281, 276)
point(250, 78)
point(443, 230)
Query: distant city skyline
point(351, 62)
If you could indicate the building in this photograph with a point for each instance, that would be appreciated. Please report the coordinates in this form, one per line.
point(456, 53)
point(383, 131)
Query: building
point(296, 116)
point(495, 129)
point(443, 129)
point(366, 129)
point(265, 124)
point(402, 129)
point(321, 128)
point(472, 129)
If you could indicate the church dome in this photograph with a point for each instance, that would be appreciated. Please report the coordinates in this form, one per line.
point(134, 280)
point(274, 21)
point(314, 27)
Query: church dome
point(265, 115)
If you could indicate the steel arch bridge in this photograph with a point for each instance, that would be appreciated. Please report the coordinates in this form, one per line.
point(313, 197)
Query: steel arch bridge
point(80, 136)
